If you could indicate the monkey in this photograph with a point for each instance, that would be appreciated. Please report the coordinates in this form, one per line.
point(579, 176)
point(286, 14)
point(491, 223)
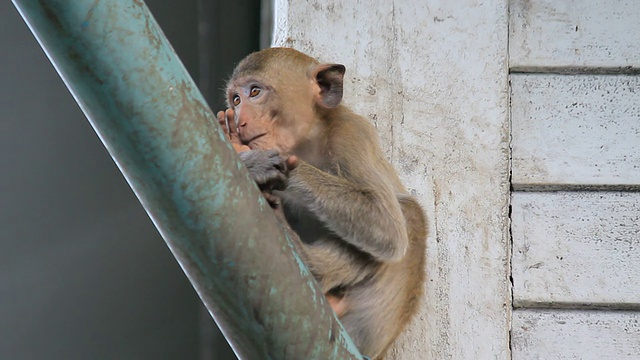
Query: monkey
point(359, 231)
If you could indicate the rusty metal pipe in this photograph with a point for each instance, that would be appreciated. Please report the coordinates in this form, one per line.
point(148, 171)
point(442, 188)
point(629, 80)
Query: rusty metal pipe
point(140, 100)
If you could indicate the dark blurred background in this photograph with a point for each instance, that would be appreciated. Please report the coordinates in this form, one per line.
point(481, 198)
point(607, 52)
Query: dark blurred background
point(83, 272)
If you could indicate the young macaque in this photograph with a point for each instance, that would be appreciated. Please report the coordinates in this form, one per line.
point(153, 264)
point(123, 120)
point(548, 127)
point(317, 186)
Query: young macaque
point(360, 232)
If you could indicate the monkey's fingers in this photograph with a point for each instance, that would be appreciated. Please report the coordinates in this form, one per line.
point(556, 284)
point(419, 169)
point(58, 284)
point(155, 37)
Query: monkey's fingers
point(230, 118)
point(273, 200)
point(228, 124)
point(273, 180)
point(239, 147)
point(222, 121)
point(292, 162)
point(278, 183)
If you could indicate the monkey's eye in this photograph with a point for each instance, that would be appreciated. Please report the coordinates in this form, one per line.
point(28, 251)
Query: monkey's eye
point(255, 91)
point(236, 100)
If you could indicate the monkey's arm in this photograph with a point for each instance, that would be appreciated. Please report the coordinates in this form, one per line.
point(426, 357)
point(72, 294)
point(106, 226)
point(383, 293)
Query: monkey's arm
point(366, 215)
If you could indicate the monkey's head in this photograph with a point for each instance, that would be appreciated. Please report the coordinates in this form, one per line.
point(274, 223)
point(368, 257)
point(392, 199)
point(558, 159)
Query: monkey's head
point(280, 97)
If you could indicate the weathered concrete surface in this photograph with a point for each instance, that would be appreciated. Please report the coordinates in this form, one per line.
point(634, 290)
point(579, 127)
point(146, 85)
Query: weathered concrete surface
point(433, 79)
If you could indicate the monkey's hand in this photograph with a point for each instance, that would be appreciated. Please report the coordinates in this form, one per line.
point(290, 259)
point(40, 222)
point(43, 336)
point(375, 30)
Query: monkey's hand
point(226, 119)
point(268, 169)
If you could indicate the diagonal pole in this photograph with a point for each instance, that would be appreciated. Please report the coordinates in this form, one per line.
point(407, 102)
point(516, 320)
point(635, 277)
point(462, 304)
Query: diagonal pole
point(147, 111)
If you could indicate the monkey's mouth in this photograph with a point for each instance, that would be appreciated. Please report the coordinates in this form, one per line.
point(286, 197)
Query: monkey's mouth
point(248, 142)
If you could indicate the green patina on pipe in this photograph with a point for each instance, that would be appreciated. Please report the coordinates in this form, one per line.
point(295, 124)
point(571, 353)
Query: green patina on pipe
point(141, 101)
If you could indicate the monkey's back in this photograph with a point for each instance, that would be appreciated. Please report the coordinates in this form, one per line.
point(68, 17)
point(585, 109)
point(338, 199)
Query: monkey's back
point(384, 304)
point(380, 297)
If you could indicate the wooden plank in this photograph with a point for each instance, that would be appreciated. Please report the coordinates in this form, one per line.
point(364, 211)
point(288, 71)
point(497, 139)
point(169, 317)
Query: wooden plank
point(433, 79)
point(576, 249)
point(580, 335)
point(574, 34)
point(575, 130)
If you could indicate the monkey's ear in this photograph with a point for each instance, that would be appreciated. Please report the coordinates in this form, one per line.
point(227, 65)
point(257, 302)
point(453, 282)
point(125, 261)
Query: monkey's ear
point(329, 78)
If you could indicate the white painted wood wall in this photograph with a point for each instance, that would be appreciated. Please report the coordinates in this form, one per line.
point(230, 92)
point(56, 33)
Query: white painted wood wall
point(433, 76)
point(575, 112)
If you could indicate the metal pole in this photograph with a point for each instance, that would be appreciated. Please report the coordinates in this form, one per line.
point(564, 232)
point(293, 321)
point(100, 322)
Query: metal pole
point(140, 100)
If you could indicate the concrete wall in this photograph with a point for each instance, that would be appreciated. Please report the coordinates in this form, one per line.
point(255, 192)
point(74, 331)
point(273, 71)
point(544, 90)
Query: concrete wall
point(439, 80)
point(432, 77)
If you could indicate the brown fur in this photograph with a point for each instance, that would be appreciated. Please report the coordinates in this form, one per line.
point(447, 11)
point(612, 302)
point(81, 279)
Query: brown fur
point(361, 233)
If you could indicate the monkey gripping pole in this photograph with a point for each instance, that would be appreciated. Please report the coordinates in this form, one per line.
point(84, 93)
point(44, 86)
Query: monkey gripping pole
point(140, 100)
